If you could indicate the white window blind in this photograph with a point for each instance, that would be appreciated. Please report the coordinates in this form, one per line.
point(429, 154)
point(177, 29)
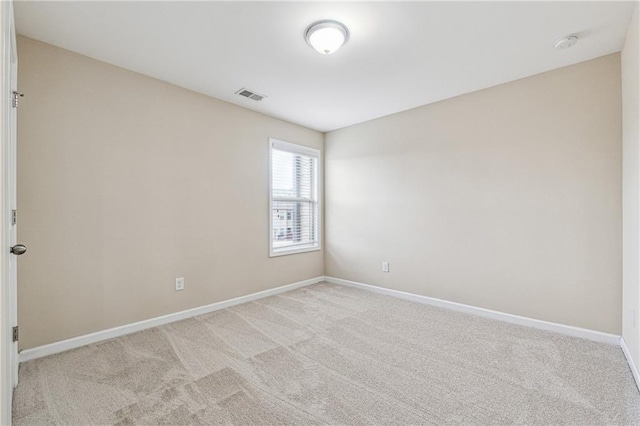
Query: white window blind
point(294, 197)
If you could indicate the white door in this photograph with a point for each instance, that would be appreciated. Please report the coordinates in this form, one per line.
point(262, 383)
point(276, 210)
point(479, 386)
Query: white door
point(12, 204)
point(8, 230)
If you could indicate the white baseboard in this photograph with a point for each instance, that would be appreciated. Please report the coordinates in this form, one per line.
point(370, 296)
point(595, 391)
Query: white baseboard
point(65, 345)
point(75, 342)
point(567, 330)
point(632, 364)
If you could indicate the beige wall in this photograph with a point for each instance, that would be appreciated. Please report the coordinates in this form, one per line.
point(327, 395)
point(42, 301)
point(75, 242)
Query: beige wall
point(508, 198)
point(631, 187)
point(125, 183)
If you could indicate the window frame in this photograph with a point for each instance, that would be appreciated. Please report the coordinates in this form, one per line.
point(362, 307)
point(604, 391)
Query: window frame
point(304, 150)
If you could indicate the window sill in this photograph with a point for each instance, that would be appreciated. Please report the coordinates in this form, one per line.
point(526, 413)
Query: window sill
point(286, 252)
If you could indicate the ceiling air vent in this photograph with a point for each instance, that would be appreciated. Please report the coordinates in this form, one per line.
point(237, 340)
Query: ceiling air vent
point(249, 94)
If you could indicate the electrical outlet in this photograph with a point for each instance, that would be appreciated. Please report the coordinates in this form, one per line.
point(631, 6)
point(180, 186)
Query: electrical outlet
point(385, 266)
point(179, 283)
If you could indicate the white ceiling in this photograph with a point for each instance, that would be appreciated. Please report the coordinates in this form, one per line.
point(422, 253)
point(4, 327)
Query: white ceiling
point(400, 55)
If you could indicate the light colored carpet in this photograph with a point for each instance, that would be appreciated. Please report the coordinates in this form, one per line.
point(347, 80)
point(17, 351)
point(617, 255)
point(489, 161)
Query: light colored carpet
point(329, 354)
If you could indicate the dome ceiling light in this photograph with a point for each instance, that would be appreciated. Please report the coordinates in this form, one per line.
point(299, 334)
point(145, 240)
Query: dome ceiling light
point(326, 36)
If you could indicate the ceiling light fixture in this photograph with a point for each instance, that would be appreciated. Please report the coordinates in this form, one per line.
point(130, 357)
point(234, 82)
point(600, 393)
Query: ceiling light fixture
point(326, 36)
point(566, 42)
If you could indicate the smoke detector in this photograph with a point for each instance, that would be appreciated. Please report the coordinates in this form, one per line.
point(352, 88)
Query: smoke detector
point(566, 42)
point(251, 95)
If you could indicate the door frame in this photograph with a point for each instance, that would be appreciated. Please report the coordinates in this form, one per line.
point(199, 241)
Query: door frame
point(8, 296)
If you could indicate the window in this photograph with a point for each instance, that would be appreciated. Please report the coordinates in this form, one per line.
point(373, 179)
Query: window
point(294, 198)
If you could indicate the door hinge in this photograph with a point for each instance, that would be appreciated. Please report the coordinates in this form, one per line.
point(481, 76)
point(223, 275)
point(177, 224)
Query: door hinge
point(14, 99)
point(15, 333)
point(14, 217)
